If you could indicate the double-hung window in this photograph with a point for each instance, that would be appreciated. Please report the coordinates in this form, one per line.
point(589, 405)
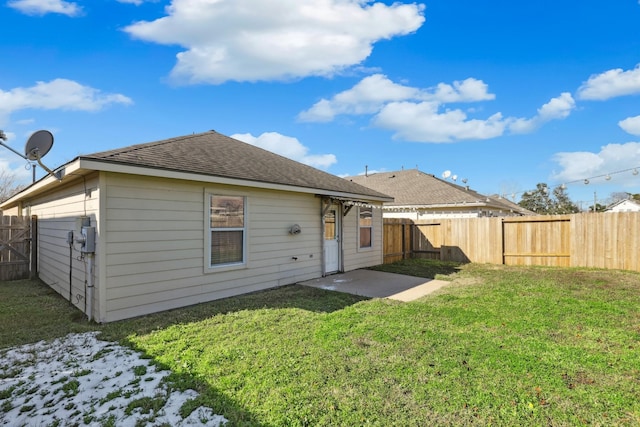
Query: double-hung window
point(227, 230)
point(365, 223)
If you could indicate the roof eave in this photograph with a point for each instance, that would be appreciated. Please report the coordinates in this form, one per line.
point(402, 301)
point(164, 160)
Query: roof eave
point(83, 164)
point(65, 171)
point(440, 205)
point(109, 166)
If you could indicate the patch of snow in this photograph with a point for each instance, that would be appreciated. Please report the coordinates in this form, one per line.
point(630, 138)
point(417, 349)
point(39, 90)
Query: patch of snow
point(80, 380)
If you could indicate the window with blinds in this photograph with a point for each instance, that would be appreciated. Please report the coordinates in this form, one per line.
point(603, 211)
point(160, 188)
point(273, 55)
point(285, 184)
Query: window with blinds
point(227, 230)
point(365, 226)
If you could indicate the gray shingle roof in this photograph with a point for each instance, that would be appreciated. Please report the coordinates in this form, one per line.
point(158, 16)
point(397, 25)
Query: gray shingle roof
point(415, 188)
point(213, 154)
point(512, 205)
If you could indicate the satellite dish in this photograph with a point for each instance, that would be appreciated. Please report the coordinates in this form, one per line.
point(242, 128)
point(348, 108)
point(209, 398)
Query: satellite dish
point(446, 174)
point(464, 180)
point(38, 145)
point(454, 177)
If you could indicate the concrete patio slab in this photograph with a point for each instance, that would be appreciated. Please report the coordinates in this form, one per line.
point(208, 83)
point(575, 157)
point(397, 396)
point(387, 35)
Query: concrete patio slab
point(378, 284)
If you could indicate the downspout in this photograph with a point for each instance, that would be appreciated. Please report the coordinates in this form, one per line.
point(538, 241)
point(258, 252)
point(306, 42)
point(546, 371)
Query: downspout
point(323, 244)
point(70, 241)
point(90, 285)
point(341, 233)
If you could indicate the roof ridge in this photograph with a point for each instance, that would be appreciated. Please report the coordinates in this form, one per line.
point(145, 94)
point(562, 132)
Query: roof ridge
point(136, 147)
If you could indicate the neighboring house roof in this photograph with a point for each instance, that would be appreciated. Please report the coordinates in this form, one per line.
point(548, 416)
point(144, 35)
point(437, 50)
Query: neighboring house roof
point(512, 205)
point(418, 189)
point(624, 205)
point(216, 158)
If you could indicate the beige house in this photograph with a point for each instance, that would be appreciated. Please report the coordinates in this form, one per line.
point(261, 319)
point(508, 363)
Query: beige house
point(418, 195)
point(171, 223)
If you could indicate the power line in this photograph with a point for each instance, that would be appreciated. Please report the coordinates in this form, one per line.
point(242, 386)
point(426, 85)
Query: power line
point(607, 176)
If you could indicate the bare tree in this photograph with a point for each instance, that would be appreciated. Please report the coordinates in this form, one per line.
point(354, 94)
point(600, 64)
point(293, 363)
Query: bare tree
point(8, 184)
point(616, 196)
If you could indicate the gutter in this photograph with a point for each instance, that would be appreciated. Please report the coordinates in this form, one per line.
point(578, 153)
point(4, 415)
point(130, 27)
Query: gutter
point(84, 165)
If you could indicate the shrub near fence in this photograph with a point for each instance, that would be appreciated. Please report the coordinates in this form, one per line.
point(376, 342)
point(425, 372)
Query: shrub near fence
point(601, 240)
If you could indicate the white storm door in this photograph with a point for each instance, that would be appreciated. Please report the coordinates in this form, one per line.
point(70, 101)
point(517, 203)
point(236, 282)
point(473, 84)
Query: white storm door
point(331, 242)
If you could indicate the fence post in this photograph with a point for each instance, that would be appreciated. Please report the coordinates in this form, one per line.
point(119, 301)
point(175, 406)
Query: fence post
point(33, 269)
point(404, 246)
point(502, 248)
point(412, 231)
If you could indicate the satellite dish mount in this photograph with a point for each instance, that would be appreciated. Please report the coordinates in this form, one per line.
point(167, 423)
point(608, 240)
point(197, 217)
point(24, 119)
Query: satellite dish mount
point(38, 145)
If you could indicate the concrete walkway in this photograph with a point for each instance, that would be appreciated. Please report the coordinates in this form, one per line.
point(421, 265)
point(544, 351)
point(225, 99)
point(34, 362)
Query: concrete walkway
point(378, 284)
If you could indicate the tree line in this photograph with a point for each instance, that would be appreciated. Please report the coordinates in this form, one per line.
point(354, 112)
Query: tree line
point(546, 201)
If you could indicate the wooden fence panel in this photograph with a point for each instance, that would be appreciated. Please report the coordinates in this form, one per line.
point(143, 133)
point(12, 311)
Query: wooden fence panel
point(15, 247)
point(471, 240)
point(601, 240)
point(606, 240)
point(426, 239)
point(459, 241)
point(396, 240)
point(537, 241)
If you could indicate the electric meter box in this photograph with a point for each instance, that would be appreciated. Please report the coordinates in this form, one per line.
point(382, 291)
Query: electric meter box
point(89, 237)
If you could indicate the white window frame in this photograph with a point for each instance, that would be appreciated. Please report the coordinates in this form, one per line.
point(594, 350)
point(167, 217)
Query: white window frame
point(209, 230)
point(360, 227)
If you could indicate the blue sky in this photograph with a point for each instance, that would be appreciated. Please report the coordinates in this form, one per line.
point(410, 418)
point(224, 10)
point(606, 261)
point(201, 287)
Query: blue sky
point(503, 94)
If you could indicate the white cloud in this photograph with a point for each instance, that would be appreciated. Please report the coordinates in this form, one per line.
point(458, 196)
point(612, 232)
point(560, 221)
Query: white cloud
point(367, 97)
point(287, 146)
point(556, 109)
point(611, 84)
point(469, 90)
point(631, 125)
point(252, 40)
point(420, 115)
point(137, 2)
point(371, 94)
point(58, 94)
point(42, 7)
point(578, 165)
point(15, 167)
point(421, 122)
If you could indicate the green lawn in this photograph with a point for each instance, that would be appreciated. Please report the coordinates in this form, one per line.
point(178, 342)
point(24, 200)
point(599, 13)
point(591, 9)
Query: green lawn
point(499, 346)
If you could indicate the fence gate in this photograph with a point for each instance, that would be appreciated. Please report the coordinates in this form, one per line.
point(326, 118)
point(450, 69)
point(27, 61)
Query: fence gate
point(16, 247)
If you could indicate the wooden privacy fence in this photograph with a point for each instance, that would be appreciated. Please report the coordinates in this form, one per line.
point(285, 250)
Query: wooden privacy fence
point(600, 240)
point(17, 250)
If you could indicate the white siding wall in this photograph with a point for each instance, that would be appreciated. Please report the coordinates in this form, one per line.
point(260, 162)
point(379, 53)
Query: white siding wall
point(354, 257)
point(155, 244)
point(150, 243)
point(626, 206)
point(59, 213)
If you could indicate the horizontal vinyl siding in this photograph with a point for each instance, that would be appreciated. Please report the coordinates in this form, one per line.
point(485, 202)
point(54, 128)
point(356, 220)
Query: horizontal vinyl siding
point(155, 237)
point(354, 257)
point(58, 213)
